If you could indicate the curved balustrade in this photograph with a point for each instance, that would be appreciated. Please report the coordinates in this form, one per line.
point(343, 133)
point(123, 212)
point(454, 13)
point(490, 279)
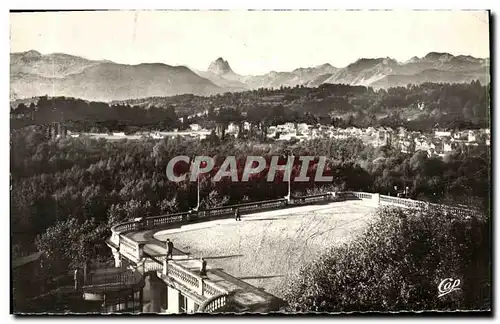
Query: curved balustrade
point(121, 228)
point(184, 276)
point(153, 263)
point(214, 303)
point(362, 195)
point(217, 296)
point(344, 195)
point(304, 200)
point(211, 289)
point(131, 247)
point(155, 221)
point(417, 204)
point(402, 202)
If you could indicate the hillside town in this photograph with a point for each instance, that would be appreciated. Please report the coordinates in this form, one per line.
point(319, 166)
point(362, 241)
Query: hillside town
point(439, 143)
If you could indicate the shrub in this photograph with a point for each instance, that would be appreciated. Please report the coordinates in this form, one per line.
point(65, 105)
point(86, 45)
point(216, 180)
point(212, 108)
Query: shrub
point(398, 263)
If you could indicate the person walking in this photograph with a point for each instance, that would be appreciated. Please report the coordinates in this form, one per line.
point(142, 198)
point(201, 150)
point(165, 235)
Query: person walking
point(237, 215)
point(170, 249)
point(203, 267)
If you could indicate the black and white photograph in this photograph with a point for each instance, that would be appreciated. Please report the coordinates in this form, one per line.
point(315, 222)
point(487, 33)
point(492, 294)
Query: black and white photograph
point(244, 162)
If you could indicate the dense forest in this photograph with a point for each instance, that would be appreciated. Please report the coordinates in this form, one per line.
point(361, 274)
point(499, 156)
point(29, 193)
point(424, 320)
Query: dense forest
point(69, 188)
point(416, 107)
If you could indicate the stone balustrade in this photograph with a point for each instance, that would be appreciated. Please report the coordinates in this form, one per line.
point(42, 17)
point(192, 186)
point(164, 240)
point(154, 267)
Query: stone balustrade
point(130, 247)
point(153, 264)
point(305, 200)
point(211, 289)
point(217, 295)
point(214, 304)
point(402, 202)
point(157, 221)
point(181, 275)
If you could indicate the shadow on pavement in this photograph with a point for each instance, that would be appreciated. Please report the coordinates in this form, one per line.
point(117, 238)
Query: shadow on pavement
point(260, 277)
point(223, 257)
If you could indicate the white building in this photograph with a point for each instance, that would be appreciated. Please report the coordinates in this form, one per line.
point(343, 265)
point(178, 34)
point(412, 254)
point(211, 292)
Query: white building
point(302, 127)
point(195, 127)
point(471, 136)
point(232, 128)
point(447, 147)
point(421, 144)
point(460, 135)
point(289, 126)
point(441, 133)
point(406, 146)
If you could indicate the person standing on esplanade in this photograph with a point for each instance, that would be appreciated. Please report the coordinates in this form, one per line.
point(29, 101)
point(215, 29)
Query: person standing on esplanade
point(170, 249)
point(237, 215)
point(203, 267)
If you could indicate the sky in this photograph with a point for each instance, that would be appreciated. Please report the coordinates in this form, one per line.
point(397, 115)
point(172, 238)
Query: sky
point(253, 42)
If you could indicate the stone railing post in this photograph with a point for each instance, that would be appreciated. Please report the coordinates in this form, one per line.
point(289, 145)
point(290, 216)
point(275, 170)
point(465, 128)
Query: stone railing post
point(200, 287)
point(140, 223)
point(165, 267)
point(118, 258)
point(376, 199)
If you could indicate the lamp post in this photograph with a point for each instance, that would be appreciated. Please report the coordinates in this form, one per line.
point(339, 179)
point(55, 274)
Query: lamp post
point(288, 196)
point(198, 192)
point(197, 186)
point(289, 189)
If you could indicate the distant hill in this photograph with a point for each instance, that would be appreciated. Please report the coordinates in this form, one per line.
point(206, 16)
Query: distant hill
point(374, 72)
point(432, 75)
point(100, 80)
point(434, 67)
point(34, 74)
point(57, 65)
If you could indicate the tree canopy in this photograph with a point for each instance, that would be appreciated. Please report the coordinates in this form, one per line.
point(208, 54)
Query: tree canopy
point(398, 264)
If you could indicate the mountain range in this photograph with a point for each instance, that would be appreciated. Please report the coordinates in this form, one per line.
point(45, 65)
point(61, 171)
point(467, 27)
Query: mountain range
point(33, 74)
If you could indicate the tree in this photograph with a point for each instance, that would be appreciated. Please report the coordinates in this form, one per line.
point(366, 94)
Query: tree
point(398, 263)
point(127, 211)
point(213, 200)
point(468, 111)
point(168, 206)
point(69, 244)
